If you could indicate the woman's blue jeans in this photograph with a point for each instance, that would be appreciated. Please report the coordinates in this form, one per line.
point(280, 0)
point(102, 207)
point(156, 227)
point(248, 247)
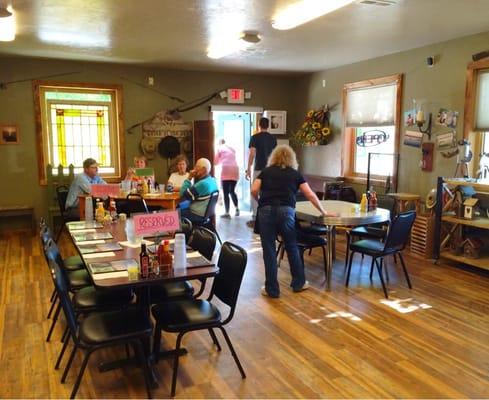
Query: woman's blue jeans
point(273, 221)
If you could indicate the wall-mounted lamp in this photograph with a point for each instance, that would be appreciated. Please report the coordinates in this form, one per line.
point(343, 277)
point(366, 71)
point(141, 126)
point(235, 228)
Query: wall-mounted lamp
point(420, 121)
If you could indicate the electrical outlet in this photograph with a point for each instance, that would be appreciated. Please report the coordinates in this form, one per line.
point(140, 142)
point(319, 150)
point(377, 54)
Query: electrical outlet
point(151, 81)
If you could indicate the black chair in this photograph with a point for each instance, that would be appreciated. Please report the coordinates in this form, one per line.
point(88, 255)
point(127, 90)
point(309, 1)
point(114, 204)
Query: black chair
point(395, 242)
point(102, 330)
point(204, 241)
point(207, 220)
point(196, 314)
point(61, 195)
point(133, 203)
point(306, 240)
point(373, 231)
point(186, 228)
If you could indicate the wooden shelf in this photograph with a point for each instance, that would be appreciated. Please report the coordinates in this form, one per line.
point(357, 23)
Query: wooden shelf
point(482, 223)
point(482, 262)
point(479, 186)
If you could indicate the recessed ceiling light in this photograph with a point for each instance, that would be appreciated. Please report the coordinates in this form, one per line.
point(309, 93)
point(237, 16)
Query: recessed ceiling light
point(250, 37)
point(304, 11)
point(225, 46)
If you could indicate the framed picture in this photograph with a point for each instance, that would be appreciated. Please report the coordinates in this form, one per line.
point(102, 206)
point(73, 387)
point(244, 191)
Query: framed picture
point(278, 121)
point(9, 134)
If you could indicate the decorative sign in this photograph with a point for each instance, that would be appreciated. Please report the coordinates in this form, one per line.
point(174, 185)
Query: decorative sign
point(236, 96)
point(105, 190)
point(372, 138)
point(413, 138)
point(144, 171)
point(156, 223)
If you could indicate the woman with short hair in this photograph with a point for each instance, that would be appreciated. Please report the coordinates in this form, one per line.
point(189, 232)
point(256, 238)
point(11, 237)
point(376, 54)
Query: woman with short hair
point(275, 190)
point(177, 178)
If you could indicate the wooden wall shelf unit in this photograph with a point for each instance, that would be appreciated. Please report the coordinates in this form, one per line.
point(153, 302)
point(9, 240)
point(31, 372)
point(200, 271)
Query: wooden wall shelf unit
point(453, 223)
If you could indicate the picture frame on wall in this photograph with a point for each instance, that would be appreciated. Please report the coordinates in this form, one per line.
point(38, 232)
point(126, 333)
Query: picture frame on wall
point(278, 121)
point(9, 134)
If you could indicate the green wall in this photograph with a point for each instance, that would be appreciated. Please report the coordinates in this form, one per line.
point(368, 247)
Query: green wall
point(443, 85)
point(19, 162)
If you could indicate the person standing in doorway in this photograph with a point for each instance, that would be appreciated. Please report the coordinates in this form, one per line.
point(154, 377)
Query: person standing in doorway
point(261, 146)
point(226, 157)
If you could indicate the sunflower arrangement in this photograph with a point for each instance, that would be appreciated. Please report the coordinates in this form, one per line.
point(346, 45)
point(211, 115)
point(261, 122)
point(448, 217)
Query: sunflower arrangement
point(315, 129)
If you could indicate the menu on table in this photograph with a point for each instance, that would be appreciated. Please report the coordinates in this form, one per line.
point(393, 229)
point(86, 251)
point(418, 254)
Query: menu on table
point(98, 247)
point(111, 266)
point(77, 225)
point(195, 259)
point(83, 237)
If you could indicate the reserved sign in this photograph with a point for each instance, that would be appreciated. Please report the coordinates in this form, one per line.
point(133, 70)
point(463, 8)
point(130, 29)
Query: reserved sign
point(105, 190)
point(156, 223)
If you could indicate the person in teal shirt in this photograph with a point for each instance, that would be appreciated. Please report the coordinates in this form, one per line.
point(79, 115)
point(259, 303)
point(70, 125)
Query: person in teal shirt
point(195, 196)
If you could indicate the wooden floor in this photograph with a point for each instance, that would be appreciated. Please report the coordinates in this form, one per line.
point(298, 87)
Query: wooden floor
point(429, 342)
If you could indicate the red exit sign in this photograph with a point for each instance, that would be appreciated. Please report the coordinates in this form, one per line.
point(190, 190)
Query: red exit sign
point(236, 96)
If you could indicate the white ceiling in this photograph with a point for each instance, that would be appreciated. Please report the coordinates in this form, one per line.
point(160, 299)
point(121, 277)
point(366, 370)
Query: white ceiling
point(176, 33)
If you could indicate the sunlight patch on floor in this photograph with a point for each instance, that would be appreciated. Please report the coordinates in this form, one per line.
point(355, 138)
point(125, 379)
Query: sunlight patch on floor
point(405, 306)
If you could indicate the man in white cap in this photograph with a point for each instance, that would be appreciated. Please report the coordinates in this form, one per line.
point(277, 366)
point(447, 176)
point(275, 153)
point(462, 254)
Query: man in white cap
point(193, 195)
point(81, 185)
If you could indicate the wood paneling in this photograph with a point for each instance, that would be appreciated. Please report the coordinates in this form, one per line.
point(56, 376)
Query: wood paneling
point(346, 343)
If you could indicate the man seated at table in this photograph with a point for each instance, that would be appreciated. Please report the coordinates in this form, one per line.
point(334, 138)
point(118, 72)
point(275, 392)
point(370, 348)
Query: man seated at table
point(195, 197)
point(81, 185)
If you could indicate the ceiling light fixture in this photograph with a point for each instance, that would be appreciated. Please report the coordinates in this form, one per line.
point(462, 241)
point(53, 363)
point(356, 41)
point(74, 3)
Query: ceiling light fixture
point(7, 24)
point(226, 46)
point(304, 11)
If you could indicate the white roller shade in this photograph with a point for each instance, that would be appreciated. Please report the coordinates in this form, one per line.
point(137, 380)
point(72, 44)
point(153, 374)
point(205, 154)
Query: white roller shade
point(371, 106)
point(482, 102)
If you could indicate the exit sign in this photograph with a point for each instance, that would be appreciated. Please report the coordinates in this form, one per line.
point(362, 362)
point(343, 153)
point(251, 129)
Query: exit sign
point(236, 96)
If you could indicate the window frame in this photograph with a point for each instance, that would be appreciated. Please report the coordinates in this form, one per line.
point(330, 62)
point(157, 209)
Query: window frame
point(348, 145)
point(116, 123)
point(476, 138)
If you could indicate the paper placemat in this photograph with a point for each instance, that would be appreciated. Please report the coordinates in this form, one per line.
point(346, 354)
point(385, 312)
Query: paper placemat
point(134, 246)
point(108, 275)
point(100, 255)
point(94, 241)
point(193, 254)
point(90, 230)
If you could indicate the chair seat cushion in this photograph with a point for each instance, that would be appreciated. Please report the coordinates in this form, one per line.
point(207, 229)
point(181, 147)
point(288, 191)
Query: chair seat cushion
point(181, 315)
point(73, 263)
point(368, 246)
point(308, 240)
point(171, 291)
point(311, 229)
point(78, 279)
point(114, 326)
point(89, 298)
point(368, 232)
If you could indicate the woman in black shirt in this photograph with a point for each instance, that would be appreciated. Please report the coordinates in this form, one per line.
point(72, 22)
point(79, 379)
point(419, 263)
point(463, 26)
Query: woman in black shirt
point(275, 189)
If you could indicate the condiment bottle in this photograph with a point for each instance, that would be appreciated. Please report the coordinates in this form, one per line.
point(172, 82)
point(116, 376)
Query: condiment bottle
point(373, 201)
point(144, 261)
point(112, 209)
point(100, 211)
point(363, 203)
point(165, 257)
point(145, 187)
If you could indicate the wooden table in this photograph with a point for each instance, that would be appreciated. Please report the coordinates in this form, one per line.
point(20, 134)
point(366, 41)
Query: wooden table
point(345, 214)
point(165, 200)
point(403, 200)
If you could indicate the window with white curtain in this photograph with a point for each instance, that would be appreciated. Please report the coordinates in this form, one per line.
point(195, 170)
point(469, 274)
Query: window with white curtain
point(372, 112)
point(482, 102)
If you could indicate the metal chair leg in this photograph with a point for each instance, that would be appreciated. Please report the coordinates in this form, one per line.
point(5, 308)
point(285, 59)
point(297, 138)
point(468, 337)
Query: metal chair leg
point(68, 364)
point(349, 269)
point(175, 364)
point(231, 348)
point(214, 338)
point(405, 271)
point(53, 323)
point(80, 374)
point(379, 270)
point(54, 301)
point(62, 352)
point(138, 348)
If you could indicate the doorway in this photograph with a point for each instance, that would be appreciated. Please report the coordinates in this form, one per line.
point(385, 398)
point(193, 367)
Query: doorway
point(235, 128)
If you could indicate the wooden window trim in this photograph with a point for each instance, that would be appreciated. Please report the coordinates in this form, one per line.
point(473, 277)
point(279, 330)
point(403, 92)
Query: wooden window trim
point(74, 85)
point(348, 133)
point(472, 74)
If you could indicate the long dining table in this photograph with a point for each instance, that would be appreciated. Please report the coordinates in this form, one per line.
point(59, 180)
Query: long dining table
point(339, 213)
point(197, 267)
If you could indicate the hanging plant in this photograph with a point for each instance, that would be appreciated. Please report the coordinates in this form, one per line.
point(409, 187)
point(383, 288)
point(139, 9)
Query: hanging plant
point(315, 129)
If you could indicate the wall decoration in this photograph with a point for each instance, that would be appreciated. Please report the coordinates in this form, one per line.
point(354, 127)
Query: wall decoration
point(165, 124)
point(447, 118)
point(315, 128)
point(446, 141)
point(9, 134)
point(278, 121)
point(410, 117)
point(413, 138)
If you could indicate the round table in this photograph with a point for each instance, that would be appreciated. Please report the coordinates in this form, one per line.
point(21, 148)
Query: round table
point(342, 213)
